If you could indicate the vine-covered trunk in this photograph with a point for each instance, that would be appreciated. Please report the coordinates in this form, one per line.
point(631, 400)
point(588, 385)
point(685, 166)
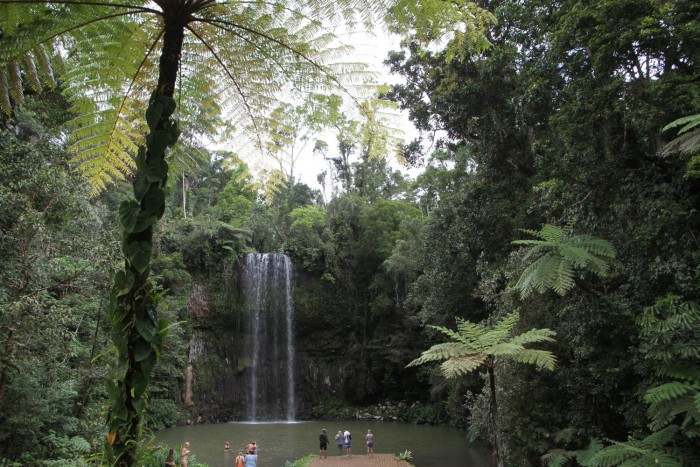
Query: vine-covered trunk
point(137, 332)
point(493, 413)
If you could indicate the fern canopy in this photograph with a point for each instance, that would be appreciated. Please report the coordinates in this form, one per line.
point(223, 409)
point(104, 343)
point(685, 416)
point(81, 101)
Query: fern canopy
point(557, 256)
point(473, 346)
point(236, 59)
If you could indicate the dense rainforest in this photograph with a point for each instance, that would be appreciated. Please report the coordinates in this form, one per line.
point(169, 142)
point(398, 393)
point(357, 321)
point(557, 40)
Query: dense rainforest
point(553, 194)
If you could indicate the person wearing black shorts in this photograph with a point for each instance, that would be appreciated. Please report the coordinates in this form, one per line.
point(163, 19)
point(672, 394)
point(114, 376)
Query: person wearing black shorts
point(323, 444)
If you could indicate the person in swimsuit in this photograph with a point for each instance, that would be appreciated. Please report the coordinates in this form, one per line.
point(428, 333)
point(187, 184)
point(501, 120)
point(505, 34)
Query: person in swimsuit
point(252, 448)
point(370, 444)
point(240, 459)
point(185, 453)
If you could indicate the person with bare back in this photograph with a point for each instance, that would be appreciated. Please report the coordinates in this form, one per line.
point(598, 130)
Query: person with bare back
point(185, 454)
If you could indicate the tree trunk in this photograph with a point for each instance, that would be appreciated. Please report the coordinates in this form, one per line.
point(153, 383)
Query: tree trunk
point(493, 413)
point(137, 333)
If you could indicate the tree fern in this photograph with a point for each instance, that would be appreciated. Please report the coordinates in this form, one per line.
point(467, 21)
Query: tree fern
point(475, 346)
point(557, 256)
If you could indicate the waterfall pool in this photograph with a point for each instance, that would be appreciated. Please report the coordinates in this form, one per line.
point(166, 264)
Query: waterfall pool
point(430, 446)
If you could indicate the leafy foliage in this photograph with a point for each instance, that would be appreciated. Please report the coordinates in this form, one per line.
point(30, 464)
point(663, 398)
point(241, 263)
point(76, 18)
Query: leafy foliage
point(475, 346)
point(556, 257)
point(670, 338)
point(686, 142)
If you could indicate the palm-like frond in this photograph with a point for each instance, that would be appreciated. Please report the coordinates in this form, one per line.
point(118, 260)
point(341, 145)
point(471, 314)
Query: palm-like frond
point(444, 351)
point(686, 142)
point(539, 358)
point(557, 257)
point(24, 63)
point(559, 457)
point(474, 345)
point(648, 451)
point(459, 366)
point(238, 60)
point(670, 330)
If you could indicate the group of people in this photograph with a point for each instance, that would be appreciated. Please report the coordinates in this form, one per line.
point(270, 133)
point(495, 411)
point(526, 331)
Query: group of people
point(184, 455)
point(343, 439)
point(250, 458)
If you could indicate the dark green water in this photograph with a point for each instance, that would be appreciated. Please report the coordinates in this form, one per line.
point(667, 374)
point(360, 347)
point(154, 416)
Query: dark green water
point(280, 442)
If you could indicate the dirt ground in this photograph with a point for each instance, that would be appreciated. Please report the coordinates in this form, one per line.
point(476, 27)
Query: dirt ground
point(379, 460)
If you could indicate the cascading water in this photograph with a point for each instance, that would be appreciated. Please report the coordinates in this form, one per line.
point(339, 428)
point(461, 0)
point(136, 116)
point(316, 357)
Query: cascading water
point(267, 303)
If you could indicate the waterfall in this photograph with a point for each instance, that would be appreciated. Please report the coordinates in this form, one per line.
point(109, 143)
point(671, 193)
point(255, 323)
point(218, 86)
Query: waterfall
point(268, 307)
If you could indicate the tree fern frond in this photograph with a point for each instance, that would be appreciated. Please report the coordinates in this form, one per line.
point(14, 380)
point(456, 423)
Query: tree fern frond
point(452, 334)
point(584, 456)
point(44, 66)
point(562, 280)
point(551, 273)
point(557, 257)
point(615, 454)
point(505, 325)
point(14, 82)
point(594, 245)
point(443, 351)
point(668, 391)
point(682, 372)
point(539, 358)
point(534, 336)
point(556, 458)
point(530, 278)
point(31, 75)
point(469, 331)
point(505, 349)
point(689, 122)
point(462, 365)
point(660, 438)
point(626, 455)
point(552, 234)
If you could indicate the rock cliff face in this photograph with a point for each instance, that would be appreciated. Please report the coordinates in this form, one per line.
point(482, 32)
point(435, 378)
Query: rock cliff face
point(239, 359)
point(243, 364)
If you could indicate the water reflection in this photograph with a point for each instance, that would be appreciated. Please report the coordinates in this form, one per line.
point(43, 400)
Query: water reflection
point(285, 441)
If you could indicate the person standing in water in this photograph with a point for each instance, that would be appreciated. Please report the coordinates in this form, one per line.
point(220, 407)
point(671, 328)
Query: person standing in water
point(185, 453)
point(370, 443)
point(240, 459)
point(251, 460)
point(339, 441)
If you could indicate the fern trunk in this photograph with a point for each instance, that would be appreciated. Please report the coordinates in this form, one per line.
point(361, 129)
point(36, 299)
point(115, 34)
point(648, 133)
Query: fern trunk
point(137, 333)
point(493, 414)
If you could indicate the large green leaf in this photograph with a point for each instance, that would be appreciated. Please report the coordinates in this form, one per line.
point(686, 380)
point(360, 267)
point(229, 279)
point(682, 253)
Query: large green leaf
point(139, 255)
